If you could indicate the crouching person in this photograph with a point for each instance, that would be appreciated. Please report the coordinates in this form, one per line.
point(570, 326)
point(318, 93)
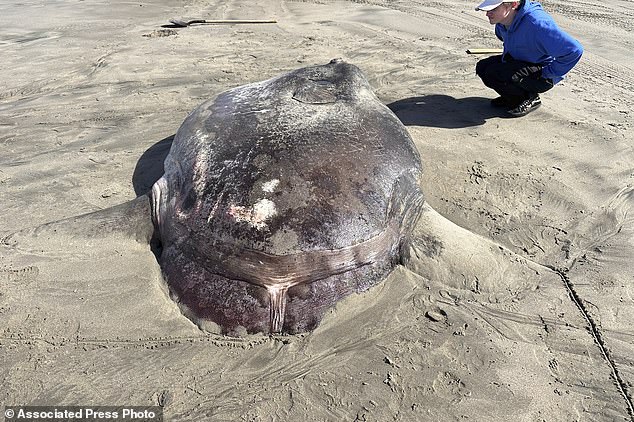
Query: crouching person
point(536, 56)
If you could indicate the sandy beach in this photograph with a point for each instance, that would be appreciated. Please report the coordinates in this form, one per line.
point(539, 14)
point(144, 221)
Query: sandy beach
point(527, 315)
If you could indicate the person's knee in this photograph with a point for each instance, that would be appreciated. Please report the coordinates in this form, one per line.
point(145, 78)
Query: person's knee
point(491, 76)
point(485, 66)
point(481, 67)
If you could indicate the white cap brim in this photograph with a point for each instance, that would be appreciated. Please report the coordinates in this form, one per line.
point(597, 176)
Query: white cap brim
point(488, 5)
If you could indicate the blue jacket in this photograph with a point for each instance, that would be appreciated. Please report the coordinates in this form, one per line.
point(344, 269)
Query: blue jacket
point(535, 37)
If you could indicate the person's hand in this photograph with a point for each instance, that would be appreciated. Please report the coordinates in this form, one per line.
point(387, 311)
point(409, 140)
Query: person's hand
point(530, 71)
point(530, 78)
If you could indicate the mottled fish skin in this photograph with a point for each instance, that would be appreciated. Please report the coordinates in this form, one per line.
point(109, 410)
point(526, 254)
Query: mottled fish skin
point(281, 197)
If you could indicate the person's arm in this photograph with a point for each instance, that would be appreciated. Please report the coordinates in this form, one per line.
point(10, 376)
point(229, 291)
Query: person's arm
point(565, 50)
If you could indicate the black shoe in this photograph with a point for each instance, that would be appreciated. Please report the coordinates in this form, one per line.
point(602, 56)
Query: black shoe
point(526, 106)
point(500, 102)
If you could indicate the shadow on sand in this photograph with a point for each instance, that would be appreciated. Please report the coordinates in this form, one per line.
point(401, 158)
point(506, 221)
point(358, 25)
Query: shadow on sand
point(445, 111)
